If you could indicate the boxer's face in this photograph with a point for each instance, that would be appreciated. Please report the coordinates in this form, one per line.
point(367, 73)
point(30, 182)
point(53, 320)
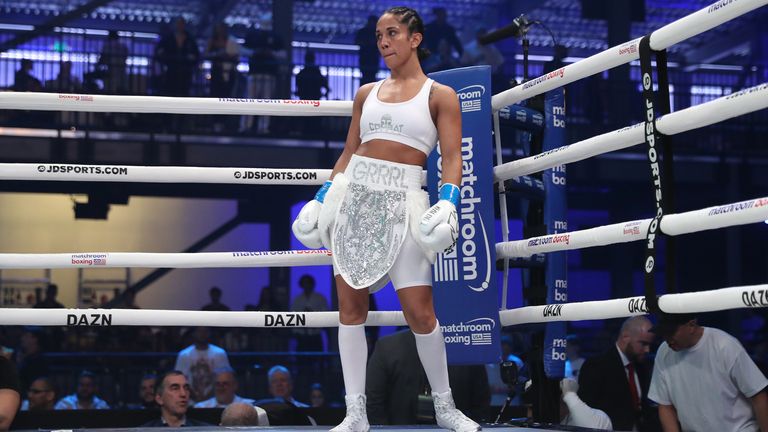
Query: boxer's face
point(395, 43)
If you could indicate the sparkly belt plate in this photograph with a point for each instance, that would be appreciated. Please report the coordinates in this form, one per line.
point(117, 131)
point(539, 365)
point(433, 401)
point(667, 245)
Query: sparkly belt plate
point(372, 220)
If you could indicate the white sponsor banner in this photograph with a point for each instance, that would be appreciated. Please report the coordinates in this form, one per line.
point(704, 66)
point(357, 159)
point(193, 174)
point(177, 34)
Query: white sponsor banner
point(172, 105)
point(162, 174)
point(291, 258)
point(165, 174)
point(740, 213)
point(149, 317)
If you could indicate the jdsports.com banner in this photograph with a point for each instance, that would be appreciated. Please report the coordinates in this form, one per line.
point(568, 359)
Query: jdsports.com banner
point(466, 297)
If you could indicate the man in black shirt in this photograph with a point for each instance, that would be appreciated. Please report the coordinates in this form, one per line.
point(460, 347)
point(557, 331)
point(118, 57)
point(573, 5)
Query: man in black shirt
point(264, 66)
point(311, 84)
point(24, 80)
point(31, 363)
point(177, 54)
point(396, 384)
point(369, 52)
point(49, 301)
point(439, 30)
point(215, 304)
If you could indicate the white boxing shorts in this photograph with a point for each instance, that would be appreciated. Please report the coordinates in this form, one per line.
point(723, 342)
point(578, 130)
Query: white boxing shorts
point(377, 206)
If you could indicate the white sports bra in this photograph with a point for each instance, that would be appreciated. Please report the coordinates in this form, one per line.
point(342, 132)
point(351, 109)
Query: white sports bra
point(408, 122)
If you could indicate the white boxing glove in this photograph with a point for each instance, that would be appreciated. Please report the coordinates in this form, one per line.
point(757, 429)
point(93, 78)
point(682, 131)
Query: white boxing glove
point(305, 226)
point(439, 227)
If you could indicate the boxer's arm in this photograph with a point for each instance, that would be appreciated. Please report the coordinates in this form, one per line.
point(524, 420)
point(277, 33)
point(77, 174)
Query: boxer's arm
point(445, 105)
point(353, 135)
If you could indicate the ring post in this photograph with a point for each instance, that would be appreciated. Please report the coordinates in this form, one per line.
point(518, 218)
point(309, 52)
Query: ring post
point(464, 282)
point(556, 221)
point(660, 159)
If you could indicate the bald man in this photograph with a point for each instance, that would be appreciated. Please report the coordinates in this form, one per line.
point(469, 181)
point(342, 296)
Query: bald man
point(224, 391)
point(243, 414)
point(617, 381)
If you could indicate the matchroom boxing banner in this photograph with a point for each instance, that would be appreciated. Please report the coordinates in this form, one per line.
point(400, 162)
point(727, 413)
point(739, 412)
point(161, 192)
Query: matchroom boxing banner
point(464, 280)
point(555, 218)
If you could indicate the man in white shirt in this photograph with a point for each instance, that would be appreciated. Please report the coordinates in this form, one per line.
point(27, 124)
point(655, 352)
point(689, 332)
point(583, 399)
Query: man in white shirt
point(198, 361)
point(225, 391)
point(281, 386)
point(704, 379)
point(85, 395)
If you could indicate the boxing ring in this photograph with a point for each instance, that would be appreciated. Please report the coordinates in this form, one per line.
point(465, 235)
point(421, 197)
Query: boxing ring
point(717, 216)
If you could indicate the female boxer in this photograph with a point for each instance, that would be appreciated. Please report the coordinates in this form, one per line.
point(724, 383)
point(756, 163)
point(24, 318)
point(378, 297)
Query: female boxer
point(373, 214)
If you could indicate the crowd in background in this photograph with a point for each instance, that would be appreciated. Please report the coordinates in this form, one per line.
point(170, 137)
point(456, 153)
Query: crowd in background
point(208, 377)
point(176, 68)
point(213, 378)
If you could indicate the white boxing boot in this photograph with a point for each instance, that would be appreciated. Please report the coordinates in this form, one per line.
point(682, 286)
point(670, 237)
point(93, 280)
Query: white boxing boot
point(448, 417)
point(357, 416)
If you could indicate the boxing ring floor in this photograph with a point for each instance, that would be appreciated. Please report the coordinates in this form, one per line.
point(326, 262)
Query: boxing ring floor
point(419, 428)
point(405, 428)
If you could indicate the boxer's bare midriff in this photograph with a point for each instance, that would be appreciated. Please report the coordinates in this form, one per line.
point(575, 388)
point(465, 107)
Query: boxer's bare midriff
point(391, 151)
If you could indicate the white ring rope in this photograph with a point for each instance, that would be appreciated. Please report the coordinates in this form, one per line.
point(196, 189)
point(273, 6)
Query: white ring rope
point(577, 311)
point(677, 31)
point(715, 300)
point(172, 105)
point(708, 301)
point(149, 317)
point(714, 217)
point(290, 258)
point(166, 174)
point(721, 109)
point(162, 174)
point(722, 216)
point(703, 301)
point(672, 33)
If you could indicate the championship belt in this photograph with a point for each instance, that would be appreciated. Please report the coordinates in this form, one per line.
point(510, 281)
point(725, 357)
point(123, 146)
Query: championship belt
point(372, 220)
